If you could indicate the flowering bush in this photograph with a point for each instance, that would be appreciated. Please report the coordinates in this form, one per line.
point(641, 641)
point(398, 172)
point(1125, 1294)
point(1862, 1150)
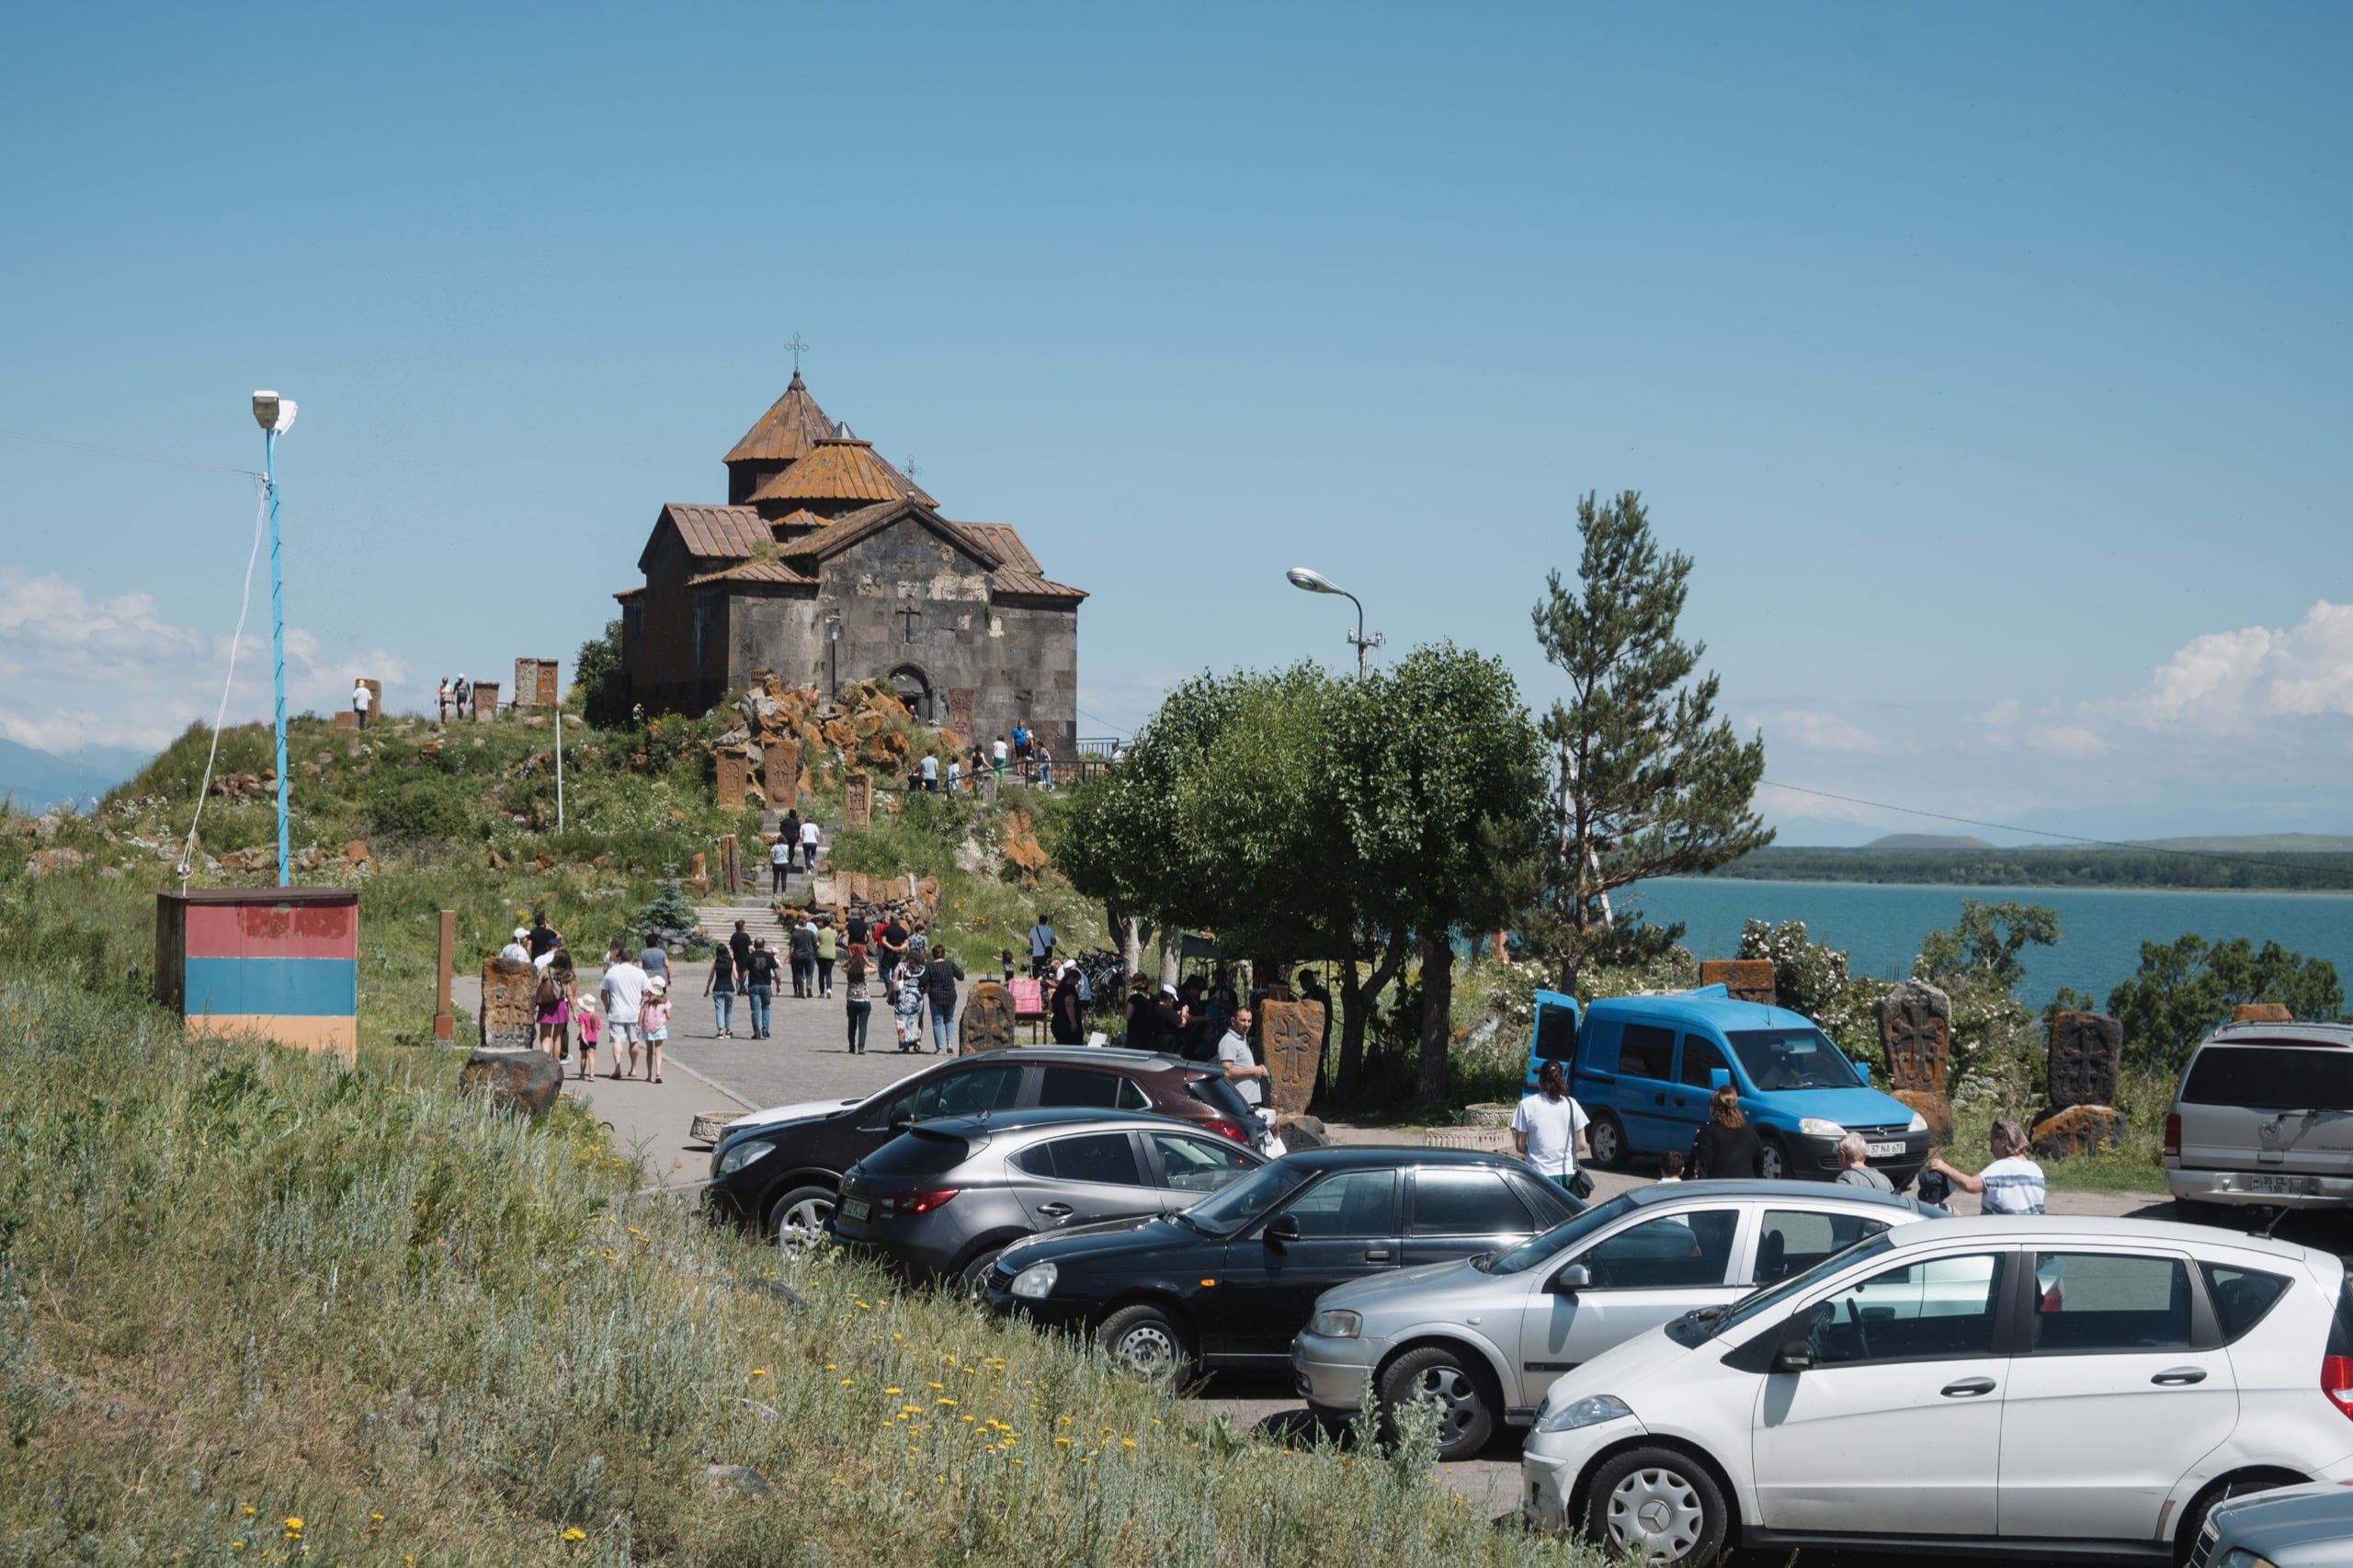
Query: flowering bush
point(1812, 978)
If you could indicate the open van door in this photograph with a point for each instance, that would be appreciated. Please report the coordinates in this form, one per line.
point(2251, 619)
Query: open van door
point(1554, 1038)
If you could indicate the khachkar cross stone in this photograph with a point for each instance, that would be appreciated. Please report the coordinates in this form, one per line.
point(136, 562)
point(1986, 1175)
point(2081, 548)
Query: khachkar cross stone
point(1915, 1028)
point(781, 773)
point(988, 1020)
point(2086, 1050)
point(857, 800)
point(1294, 1042)
point(733, 774)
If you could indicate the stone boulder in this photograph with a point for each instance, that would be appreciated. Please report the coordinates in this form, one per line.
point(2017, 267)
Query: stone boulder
point(1301, 1132)
point(1934, 1109)
point(43, 862)
point(526, 1081)
point(2262, 1013)
point(2078, 1129)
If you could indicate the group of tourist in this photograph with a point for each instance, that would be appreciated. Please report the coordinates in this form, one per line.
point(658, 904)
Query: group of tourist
point(454, 698)
point(892, 961)
point(1548, 1129)
point(632, 1003)
point(1021, 752)
point(794, 836)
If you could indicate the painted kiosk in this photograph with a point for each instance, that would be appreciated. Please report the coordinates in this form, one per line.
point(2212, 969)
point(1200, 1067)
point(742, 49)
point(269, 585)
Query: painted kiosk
point(282, 964)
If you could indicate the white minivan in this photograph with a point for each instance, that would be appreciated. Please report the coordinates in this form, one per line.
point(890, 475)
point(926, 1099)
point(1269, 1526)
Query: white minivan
point(2025, 1387)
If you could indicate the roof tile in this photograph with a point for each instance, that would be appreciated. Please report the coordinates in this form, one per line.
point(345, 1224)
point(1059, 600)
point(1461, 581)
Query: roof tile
point(840, 469)
point(753, 572)
point(790, 427)
point(719, 533)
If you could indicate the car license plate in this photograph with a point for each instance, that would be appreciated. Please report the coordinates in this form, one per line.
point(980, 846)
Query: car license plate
point(2280, 1184)
point(1885, 1151)
point(854, 1208)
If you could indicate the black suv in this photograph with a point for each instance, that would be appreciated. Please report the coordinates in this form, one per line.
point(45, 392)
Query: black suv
point(779, 1176)
point(1228, 1280)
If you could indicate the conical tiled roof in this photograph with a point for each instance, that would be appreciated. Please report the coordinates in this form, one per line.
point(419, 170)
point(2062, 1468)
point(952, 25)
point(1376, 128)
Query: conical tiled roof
point(840, 468)
point(787, 431)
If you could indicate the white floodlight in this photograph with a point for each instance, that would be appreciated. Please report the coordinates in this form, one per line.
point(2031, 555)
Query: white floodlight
point(273, 413)
point(1313, 582)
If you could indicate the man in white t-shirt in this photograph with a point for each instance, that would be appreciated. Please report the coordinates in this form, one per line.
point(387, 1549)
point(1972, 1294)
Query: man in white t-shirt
point(2013, 1184)
point(809, 845)
point(362, 699)
point(1548, 1128)
point(624, 995)
point(1241, 1069)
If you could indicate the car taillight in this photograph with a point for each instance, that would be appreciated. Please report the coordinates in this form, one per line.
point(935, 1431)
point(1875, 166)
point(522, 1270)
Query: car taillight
point(2337, 1381)
point(2173, 1133)
point(918, 1202)
point(1225, 1129)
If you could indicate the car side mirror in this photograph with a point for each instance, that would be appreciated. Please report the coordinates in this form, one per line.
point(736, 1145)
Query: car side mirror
point(1863, 1070)
point(1794, 1355)
point(1570, 1280)
point(1718, 1078)
point(1283, 1228)
point(902, 1122)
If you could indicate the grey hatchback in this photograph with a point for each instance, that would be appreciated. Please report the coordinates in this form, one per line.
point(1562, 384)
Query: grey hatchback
point(943, 1198)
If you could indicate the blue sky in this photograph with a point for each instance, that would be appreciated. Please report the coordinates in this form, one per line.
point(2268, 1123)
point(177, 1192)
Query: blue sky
point(1989, 360)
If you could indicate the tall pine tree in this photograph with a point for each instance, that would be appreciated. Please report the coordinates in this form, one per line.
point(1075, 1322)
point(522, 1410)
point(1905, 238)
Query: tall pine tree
point(1648, 781)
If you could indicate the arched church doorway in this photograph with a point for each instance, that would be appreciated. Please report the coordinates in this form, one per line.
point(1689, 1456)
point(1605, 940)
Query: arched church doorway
point(914, 689)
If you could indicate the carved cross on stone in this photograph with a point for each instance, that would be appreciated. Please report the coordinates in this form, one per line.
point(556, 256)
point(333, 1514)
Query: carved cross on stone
point(911, 617)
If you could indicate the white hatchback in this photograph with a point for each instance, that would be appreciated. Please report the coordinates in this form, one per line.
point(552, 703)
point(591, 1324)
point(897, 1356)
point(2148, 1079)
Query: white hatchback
point(2033, 1387)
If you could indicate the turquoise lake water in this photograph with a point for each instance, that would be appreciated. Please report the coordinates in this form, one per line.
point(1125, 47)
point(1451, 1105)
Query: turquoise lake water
point(2101, 929)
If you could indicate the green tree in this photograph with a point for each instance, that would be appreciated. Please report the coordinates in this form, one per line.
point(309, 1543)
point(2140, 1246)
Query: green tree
point(600, 683)
point(1648, 781)
point(1438, 768)
point(2185, 987)
point(1985, 944)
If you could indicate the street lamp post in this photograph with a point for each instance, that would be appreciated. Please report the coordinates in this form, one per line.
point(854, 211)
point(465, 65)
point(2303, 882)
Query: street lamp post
point(834, 654)
point(275, 414)
point(1317, 583)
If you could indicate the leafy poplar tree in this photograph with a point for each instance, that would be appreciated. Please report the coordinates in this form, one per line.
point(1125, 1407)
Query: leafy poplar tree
point(1648, 781)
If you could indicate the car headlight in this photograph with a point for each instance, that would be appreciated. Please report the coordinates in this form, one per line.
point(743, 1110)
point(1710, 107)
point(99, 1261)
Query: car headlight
point(1918, 1123)
point(1036, 1282)
point(1817, 1127)
point(1338, 1323)
point(1590, 1411)
point(735, 1157)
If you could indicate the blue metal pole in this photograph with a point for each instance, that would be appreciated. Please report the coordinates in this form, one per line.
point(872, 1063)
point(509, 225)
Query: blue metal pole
point(277, 642)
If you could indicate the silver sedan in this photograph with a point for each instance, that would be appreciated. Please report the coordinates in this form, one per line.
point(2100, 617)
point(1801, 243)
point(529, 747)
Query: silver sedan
point(1484, 1338)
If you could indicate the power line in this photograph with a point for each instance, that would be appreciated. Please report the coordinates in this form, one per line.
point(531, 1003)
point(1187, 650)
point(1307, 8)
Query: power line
point(134, 457)
point(2066, 837)
point(1105, 722)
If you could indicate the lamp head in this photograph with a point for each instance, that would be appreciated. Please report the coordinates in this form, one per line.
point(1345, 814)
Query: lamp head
point(273, 413)
point(1313, 582)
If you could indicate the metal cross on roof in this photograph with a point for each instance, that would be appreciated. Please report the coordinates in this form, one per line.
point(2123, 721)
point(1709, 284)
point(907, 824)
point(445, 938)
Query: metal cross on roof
point(912, 469)
point(798, 348)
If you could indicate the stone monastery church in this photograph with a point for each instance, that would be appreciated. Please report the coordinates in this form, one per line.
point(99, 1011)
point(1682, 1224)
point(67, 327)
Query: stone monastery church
point(828, 566)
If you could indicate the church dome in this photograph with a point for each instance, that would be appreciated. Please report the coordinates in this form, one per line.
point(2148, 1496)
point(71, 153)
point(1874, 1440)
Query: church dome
point(839, 468)
point(787, 431)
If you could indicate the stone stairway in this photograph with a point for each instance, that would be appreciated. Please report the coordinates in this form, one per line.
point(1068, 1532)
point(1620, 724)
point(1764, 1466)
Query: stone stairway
point(718, 920)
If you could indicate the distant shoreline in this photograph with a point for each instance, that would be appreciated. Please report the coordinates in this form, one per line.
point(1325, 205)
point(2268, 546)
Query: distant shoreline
point(2087, 870)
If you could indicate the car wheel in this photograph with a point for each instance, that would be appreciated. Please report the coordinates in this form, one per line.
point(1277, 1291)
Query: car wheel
point(1776, 1165)
point(799, 1217)
point(1656, 1506)
point(1466, 1417)
point(1607, 1139)
point(976, 1273)
point(1148, 1341)
point(2193, 1518)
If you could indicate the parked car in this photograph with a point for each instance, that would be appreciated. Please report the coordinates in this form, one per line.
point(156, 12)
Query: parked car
point(2034, 1388)
point(943, 1198)
point(2287, 1526)
point(778, 1170)
point(1643, 1068)
point(1484, 1338)
point(1226, 1283)
point(2263, 1117)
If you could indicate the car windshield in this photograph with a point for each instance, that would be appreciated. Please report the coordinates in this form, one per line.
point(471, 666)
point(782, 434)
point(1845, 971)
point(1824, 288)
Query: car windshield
point(1777, 1059)
point(1536, 1249)
point(1762, 1304)
point(1244, 1200)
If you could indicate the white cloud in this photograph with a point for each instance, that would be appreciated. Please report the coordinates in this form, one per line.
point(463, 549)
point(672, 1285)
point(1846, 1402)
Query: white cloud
point(1812, 730)
point(2075, 741)
point(82, 671)
point(2224, 682)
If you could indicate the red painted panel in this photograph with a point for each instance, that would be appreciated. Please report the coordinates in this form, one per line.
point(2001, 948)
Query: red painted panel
point(273, 930)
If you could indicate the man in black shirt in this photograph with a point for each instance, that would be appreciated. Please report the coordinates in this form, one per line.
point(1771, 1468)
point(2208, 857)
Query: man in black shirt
point(543, 935)
point(892, 942)
point(855, 933)
point(805, 960)
point(740, 944)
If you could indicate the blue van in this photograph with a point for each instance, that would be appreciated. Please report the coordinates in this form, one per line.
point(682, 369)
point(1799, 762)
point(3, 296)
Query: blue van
point(1644, 1067)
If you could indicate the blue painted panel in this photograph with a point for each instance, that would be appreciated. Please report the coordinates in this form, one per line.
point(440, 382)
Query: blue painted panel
point(287, 987)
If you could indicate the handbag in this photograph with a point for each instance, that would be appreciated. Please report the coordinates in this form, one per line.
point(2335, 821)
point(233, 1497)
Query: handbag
point(1580, 1183)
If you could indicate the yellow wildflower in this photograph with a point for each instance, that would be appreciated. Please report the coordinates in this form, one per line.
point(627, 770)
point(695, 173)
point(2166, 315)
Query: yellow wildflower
point(575, 1533)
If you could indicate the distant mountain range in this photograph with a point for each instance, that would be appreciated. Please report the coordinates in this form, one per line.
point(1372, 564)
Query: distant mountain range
point(1927, 841)
point(36, 781)
point(2239, 844)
